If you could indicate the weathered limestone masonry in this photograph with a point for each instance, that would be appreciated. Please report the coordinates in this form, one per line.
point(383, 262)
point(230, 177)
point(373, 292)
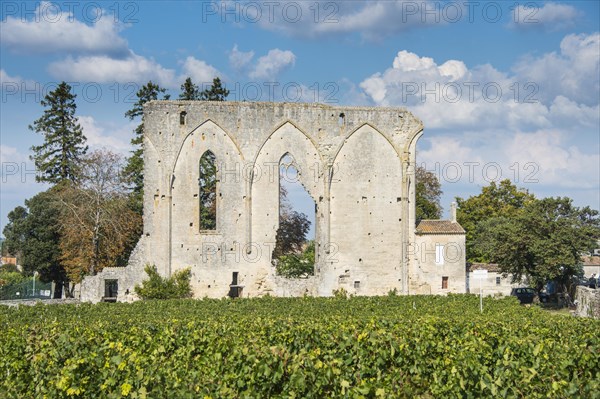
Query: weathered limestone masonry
point(357, 163)
point(588, 302)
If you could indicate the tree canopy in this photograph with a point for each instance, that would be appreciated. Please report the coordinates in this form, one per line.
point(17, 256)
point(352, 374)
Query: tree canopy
point(216, 92)
point(294, 255)
point(208, 191)
point(33, 232)
point(134, 170)
point(190, 91)
point(58, 156)
point(428, 192)
point(496, 200)
point(541, 241)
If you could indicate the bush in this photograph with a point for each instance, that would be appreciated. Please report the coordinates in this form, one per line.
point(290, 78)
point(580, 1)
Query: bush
point(11, 278)
point(9, 267)
point(157, 287)
point(340, 293)
point(297, 265)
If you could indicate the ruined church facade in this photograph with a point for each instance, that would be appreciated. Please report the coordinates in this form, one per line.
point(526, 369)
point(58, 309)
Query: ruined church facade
point(356, 163)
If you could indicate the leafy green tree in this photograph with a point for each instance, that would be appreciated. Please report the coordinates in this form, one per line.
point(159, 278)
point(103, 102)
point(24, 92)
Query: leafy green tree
point(495, 200)
point(293, 256)
point(428, 192)
point(291, 234)
point(157, 287)
point(189, 91)
point(11, 281)
point(542, 241)
point(216, 92)
point(15, 232)
point(208, 192)
point(35, 235)
point(64, 143)
point(10, 277)
point(134, 170)
point(208, 165)
point(297, 265)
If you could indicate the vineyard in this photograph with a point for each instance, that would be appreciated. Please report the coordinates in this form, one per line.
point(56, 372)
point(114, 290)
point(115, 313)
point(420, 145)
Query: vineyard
point(361, 347)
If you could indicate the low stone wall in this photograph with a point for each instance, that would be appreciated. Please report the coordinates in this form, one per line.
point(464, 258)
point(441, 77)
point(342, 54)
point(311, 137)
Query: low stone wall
point(588, 302)
point(294, 287)
point(33, 302)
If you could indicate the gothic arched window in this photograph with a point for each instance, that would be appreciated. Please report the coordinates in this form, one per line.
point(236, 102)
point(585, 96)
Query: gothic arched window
point(208, 191)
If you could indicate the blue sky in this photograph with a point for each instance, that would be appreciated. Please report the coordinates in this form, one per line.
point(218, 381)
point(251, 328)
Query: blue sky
point(506, 89)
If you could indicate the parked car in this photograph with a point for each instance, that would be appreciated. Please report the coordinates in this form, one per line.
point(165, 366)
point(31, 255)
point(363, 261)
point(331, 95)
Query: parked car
point(544, 297)
point(524, 294)
point(582, 281)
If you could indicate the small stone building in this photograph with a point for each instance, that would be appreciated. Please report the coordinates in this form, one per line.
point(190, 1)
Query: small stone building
point(356, 163)
point(591, 266)
point(440, 256)
point(495, 284)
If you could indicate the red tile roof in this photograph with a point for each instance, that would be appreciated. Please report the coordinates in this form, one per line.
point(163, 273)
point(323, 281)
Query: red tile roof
point(490, 267)
point(439, 227)
point(591, 260)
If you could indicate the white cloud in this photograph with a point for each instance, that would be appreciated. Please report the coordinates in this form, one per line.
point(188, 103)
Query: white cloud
point(13, 84)
point(547, 133)
point(104, 69)
point(6, 78)
point(543, 158)
point(567, 113)
point(240, 59)
point(541, 92)
point(52, 30)
point(17, 179)
point(444, 150)
point(200, 72)
point(408, 62)
point(372, 19)
point(550, 17)
point(375, 87)
point(559, 164)
point(110, 137)
point(270, 65)
point(134, 68)
point(573, 73)
point(11, 154)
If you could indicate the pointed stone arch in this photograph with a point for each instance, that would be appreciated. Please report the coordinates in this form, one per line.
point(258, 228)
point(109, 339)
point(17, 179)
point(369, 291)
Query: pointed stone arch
point(188, 238)
point(264, 190)
point(366, 190)
point(204, 126)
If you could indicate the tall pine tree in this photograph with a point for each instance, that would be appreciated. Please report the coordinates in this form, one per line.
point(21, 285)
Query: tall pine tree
point(189, 91)
point(208, 167)
point(64, 143)
point(134, 170)
point(216, 92)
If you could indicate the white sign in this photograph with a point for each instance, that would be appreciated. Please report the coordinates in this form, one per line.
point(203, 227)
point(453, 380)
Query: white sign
point(480, 274)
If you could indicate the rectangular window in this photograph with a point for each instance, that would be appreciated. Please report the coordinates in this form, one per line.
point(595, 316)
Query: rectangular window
point(357, 284)
point(497, 280)
point(444, 283)
point(439, 254)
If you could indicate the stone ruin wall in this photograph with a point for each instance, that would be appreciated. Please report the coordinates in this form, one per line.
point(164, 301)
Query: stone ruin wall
point(357, 164)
